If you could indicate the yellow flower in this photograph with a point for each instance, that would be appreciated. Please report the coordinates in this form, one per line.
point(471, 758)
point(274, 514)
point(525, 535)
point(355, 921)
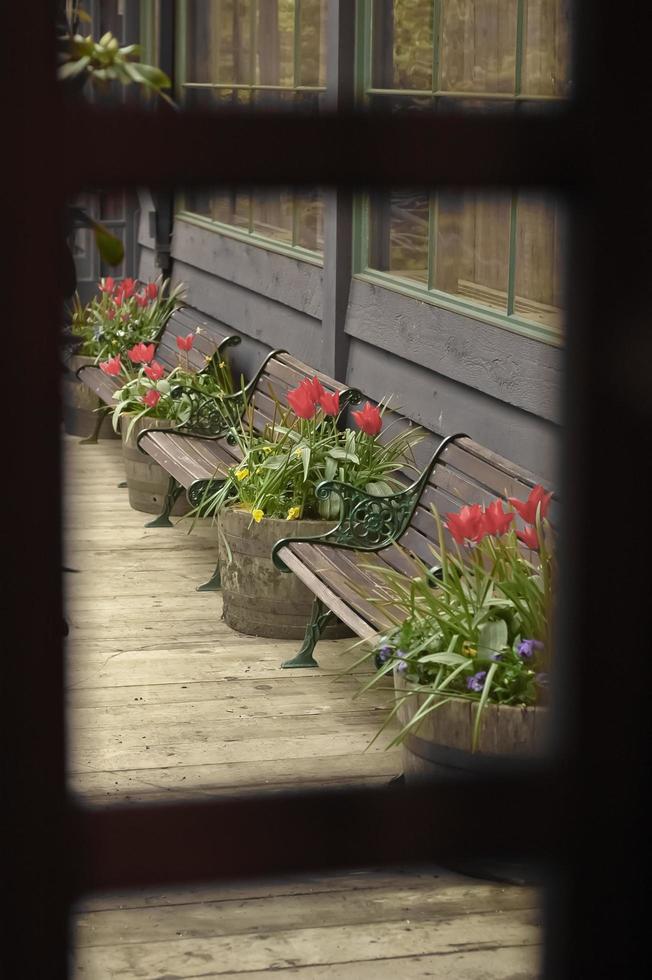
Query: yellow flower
point(208, 358)
point(297, 451)
point(266, 449)
point(222, 364)
point(242, 474)
point(257, 515)
point(293, 513)
point(468, 650)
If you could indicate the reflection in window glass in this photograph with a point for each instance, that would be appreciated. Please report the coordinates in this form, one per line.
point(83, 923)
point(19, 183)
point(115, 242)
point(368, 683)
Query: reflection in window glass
point(402, 44)
point(539, 259)
point(399, 234)
point(268, 54)
point(478, 46)
point(546, 59)
point(501, 252)
point(471, 255)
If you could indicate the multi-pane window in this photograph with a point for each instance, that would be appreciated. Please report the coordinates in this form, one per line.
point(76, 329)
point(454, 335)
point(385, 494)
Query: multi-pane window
point(498, 251)
point(262, 53)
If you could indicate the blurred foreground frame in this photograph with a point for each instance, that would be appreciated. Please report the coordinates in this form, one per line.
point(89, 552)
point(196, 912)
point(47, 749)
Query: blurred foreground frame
point(585, 813)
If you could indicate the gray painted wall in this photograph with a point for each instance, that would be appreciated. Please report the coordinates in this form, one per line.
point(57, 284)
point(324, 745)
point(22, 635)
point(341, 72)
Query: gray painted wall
point(446, 371)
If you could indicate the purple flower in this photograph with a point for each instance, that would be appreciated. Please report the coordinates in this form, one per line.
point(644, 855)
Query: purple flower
point(384, 653)
point(401, 667)
point(476, 683)
point(526, 648)
point(496, 656)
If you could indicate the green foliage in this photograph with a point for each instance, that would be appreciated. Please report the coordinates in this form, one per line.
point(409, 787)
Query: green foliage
point(477, 630)
point(101, 62)
point(175, 392)
point(281, 466)
point(122, 314)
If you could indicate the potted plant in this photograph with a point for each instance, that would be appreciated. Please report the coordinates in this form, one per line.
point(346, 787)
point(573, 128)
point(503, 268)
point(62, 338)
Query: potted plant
point(471, 658)
point(152, 399)
point(121, 315)
point(270, 494)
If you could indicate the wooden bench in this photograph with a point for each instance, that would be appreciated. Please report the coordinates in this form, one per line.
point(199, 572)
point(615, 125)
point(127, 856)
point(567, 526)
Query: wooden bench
point(199, 457)
point(372, 528)
point(211, 342)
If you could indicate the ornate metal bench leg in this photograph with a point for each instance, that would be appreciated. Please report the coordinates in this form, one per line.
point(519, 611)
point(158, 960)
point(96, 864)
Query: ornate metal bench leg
point(91, 440)
point(163, 519)
point(321, 615)
point(214, 583)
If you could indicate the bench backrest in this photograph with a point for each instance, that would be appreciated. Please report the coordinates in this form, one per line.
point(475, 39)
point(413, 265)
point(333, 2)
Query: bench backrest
point(279, 374)
point(465, 473)
point(182, 322)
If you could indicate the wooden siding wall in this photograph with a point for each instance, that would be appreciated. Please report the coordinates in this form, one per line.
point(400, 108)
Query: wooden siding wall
point(446, 371)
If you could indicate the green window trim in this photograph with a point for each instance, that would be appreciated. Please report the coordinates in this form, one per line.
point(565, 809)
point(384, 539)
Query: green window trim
point(427, 292)
point(250, 235)
point(297, 252)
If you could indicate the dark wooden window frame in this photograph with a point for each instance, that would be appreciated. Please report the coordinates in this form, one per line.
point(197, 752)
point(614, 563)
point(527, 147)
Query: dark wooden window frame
point(585, 813)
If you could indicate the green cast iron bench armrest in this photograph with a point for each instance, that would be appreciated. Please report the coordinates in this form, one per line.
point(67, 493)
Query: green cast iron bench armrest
point(367, 522)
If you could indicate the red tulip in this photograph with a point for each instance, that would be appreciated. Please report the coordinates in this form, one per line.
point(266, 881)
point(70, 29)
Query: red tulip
point(155, 371)
point(467, 525)
point(151, 290)
point(141, 353)
point(330, 403)
point(152, 398)
point(369, 419)
point(314, 389)
point(528, 510)
point(185, 343)
point(128, 287)
point(495, 521)
point(106, 285)
point(301, 402)
point(529, 537)
point(112, 366)
point(141, 300)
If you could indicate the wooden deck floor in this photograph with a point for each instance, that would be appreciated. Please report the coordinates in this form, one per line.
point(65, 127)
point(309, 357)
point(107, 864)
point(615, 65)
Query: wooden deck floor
point(165, 701)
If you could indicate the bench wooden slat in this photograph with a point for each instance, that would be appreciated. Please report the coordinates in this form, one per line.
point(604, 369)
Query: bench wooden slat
point(103, 385)
point(325, 567)
point(347, 615)
point(488, 469)
point(358, 567)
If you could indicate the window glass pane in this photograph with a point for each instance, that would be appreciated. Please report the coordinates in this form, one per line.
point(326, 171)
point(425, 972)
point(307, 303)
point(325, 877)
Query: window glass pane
point(398, 234)
point(539, 259)
point(402, 44)
point(272, 215)
point(471, 254)
point(310, 221)
point(231, 207)
point(274, 43)
point(198, 43)
point(312, 43)
point(546, 60)
point(478, 45)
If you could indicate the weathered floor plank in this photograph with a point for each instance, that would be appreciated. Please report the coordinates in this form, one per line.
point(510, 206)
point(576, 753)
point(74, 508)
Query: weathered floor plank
point(166, 702)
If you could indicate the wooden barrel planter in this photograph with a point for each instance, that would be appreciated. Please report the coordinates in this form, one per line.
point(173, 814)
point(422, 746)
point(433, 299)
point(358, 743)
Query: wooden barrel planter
point(79, 403)
point(441, 746)
point(147, 482)
point(258, 600)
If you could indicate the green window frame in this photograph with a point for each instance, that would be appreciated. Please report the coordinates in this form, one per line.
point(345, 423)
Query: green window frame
point(246, 231)
point(368, 94)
